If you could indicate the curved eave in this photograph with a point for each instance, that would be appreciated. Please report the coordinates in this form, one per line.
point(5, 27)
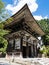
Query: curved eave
point(25, 13)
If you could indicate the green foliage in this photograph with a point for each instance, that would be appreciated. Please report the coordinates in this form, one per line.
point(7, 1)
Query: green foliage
point(3, 12)
point(9, 20)
point(1, 26)
point(1, 6)
point(4, 42)
point(3, 32)
point(3, 16)
point(45, 26)
point(46, 39)
point(44, 50)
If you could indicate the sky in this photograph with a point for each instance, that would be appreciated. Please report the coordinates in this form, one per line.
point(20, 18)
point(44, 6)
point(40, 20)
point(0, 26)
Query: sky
point(38, 8)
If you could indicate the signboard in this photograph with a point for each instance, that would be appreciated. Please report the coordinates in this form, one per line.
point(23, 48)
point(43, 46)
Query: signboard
point(17, 43)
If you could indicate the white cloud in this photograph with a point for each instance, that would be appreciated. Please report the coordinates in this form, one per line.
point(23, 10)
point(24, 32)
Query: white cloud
point(14, 8)
point(46, 17)
point(15, 2)
point(40, 17)
point(9, 7)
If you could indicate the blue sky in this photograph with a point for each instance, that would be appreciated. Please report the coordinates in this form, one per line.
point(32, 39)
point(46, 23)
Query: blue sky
point(39, 8)
point(43, 8)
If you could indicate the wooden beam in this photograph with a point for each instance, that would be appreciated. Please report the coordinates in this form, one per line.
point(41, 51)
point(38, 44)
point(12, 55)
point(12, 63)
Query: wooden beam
point(28, 29)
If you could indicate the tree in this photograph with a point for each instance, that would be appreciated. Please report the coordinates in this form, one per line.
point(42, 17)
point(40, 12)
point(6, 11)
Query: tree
point(44, 50)
point(45, 26)
point(44, 23)
point(3, 15)
point(3, 12)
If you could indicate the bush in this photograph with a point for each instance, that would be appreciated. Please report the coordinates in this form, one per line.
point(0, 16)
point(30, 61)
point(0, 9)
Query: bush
point(4, 43)
point(44, 50)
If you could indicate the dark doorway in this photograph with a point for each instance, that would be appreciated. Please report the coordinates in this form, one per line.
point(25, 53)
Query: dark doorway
point(24, 51)
point(29, 51)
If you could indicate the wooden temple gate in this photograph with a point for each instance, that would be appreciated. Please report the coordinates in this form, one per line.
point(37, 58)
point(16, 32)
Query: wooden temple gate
point(22, 40)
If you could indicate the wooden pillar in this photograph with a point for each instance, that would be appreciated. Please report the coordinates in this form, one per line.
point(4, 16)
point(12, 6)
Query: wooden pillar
point(32, 50)
point(7, 50)
point(21, 48)
point(27, 50)
point(14, 44)
point(21, 43)
point(35, 48)
point(27, 47)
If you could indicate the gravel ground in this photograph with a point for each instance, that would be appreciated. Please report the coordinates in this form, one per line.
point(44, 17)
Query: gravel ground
point(25, 61)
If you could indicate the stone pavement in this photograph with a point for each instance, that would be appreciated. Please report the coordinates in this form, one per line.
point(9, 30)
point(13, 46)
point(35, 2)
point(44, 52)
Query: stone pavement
point(25, 61)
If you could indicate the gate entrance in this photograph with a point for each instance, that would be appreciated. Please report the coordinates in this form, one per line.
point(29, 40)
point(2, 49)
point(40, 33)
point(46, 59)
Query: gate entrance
point(24, 51)
point(29, 51)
